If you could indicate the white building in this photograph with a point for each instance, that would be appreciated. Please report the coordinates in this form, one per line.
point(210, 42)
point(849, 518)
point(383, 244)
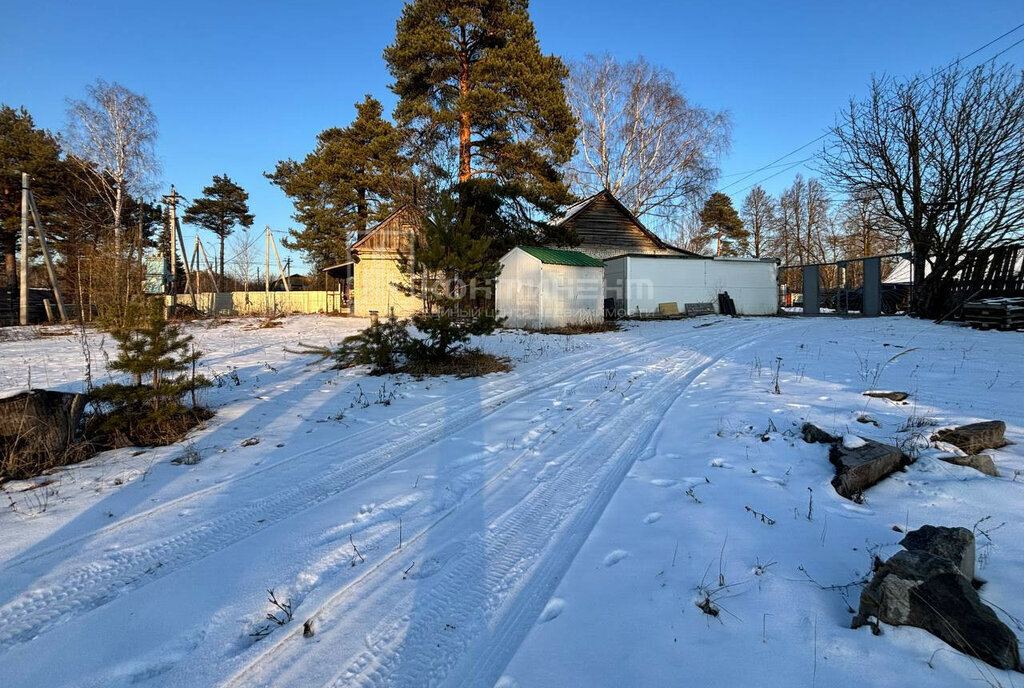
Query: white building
point(545, 287)
point(638, 283)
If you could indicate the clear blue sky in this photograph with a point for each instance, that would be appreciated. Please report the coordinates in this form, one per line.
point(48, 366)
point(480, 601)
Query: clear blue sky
point(240, 85)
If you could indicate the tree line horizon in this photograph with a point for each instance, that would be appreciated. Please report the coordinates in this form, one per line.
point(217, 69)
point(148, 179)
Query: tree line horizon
point(928, 164)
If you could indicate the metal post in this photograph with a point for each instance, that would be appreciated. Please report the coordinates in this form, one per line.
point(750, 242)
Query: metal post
point(872, 299)
point(812, 305)
point(23, 293)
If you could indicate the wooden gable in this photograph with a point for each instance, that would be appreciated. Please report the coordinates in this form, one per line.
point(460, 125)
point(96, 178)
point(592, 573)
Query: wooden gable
point(604, 228)
point(392, 236)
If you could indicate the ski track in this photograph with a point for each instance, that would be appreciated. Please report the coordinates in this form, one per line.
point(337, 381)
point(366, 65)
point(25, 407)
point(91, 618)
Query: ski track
point(98, 581)
point(484, 599)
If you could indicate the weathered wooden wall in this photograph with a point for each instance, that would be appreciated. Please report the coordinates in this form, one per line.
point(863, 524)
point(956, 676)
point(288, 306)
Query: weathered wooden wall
point(604, 229)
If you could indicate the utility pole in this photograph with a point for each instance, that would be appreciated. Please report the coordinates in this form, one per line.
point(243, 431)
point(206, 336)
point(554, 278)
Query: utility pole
point(267, 271)
point(23, 295)
point(172, 202)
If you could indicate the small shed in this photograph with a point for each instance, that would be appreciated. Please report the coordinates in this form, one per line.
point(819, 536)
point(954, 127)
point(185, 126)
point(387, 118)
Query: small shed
point(545, 287)
point(638, 283)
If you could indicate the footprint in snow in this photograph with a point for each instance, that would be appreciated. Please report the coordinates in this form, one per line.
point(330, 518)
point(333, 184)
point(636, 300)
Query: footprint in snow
point(552, 609)
point(615, 556)
point(652, 517)
point(663, 482)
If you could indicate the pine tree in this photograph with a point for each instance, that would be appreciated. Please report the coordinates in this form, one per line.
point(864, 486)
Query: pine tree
point(24, 148)
point(474, 85)
point(347, 183)
point(449, 255)
point(223, 205)
point(447, 261)
point(720, 222)
point(160, 361)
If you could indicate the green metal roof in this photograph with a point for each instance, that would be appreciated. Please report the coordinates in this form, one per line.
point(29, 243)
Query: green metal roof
point(554, 256)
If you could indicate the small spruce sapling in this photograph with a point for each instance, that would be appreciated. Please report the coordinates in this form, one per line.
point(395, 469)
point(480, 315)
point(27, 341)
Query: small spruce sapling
point(160, 362)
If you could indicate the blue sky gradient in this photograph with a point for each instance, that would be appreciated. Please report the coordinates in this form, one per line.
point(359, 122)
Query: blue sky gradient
point(239, 85)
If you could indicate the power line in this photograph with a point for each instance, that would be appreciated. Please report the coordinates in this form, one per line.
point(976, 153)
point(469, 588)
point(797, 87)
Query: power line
point(776, 174)
point(945, 69)
point(736, 174)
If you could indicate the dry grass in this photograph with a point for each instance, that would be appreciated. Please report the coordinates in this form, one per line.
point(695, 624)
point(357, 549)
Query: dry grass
point(469, 363)
point(136, 428)
point(583, 328)
point(18, 464)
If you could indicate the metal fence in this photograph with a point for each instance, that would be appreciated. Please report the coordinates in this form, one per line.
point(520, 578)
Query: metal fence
point(848, 287)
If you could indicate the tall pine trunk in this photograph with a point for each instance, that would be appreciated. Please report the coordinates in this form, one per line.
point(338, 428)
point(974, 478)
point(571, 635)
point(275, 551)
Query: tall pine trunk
point(221, 285)
point(465, 130)
point(363, 213)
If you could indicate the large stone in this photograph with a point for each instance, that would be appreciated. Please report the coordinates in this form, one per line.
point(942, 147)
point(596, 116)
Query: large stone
point(975, 437)
point(979, 462)
point(955, 544)
point(858, 468)
point(917, 588)
point(815, 435)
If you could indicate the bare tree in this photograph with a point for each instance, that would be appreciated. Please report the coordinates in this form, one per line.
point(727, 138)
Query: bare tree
point(759, 217)
point(687, 230)
point(110, 135)
point(943, 157)
point(868, 232)
point(245, 246)
point(805, 220)
point(640, 137)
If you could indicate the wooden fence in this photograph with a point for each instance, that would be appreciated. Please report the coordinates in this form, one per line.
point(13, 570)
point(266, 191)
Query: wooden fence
point(990, 273)
point(261, 302)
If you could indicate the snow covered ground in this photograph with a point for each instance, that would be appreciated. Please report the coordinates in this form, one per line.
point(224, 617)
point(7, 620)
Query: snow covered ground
point(551, 526)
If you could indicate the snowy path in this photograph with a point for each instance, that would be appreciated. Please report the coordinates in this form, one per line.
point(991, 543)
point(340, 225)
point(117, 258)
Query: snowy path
point(510, 491)
point(544, 527)
point(490, 578)
point(94, 582)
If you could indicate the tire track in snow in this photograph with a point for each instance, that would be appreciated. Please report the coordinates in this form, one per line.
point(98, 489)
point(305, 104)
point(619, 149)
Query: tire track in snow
point(98, 581)
point(519, 560)
point(409, 419)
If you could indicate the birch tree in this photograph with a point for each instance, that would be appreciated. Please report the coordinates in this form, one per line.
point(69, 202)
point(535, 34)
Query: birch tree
point(641, 138)
point(111, 134)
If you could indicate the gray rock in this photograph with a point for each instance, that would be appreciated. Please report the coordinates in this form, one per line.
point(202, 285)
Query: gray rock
point(975, 437)
point(891, 396)
point(859, 468)
point(979, 462)
point(815, 435)
point(917, 588)
point(955, 544)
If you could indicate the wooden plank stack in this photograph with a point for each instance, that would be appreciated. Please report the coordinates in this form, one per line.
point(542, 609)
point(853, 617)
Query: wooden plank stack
point(999, 313)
